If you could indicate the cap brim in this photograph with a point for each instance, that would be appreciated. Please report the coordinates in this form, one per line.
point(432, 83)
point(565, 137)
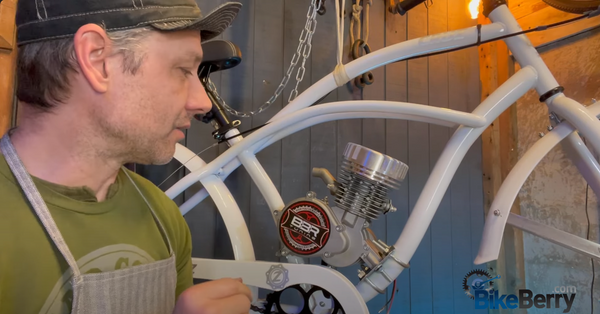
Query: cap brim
point(210, 26)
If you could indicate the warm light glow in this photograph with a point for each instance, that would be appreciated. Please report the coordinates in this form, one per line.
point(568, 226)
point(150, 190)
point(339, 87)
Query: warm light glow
point(474, 8)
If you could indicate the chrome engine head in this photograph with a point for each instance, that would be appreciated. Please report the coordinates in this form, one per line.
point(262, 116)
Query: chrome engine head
point(364, 179)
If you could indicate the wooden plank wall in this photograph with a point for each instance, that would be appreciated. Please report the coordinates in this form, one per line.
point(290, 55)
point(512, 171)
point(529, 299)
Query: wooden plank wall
point(8, 56)
point(533, 13)
point(267, 32)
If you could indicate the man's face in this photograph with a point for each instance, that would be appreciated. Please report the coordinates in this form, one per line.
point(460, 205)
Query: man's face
point(146, 113)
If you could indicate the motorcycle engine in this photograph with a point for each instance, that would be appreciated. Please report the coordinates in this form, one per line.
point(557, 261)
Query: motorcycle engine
point(340, 234)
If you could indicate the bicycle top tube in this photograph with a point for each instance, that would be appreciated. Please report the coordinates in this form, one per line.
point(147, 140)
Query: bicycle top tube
point(396, 52)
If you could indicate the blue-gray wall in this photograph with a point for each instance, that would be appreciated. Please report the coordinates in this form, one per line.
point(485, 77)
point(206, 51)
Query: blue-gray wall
point(267, 32)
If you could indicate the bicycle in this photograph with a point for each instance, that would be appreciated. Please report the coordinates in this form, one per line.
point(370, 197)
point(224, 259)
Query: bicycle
point(368, 173)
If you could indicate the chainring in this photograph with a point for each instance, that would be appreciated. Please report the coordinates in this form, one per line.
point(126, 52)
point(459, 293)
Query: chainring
point(274, 298)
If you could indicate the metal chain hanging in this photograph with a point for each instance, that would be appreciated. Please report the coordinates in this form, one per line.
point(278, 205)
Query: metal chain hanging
point(359, 44)
point(304, 49)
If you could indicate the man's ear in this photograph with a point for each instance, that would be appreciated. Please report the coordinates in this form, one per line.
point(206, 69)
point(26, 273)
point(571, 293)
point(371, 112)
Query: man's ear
point(92, 49)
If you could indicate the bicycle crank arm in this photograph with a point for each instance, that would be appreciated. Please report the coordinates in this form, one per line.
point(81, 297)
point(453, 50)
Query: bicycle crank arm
point(278, 276)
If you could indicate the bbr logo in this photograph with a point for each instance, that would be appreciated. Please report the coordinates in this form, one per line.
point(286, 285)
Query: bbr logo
point(305, 226)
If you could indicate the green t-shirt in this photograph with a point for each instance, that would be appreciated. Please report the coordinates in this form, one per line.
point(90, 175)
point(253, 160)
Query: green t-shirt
point(102, 236)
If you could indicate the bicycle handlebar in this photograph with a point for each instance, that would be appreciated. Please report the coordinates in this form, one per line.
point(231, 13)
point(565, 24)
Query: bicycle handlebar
point(490, 5)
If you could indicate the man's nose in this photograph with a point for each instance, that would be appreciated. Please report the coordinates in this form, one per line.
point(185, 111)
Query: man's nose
point(198, 101)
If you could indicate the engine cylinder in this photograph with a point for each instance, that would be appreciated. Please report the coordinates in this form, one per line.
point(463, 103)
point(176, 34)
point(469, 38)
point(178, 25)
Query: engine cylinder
point(364, 179)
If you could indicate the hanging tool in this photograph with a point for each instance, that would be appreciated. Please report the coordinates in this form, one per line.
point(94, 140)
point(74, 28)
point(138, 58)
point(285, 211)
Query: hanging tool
point(404, 5)
point(321, 6)
point(360, 45)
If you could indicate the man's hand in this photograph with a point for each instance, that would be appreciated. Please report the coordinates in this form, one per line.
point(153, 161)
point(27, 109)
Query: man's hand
point(222, 296)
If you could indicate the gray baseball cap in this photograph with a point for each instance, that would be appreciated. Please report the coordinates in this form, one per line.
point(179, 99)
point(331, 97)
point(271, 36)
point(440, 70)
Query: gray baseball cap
point(38, 20)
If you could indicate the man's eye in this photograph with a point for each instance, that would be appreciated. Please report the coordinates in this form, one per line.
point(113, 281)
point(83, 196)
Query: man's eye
point(186, 72)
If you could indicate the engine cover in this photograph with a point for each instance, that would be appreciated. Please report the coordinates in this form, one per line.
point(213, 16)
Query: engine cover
point(305, 226)
point(308, 227)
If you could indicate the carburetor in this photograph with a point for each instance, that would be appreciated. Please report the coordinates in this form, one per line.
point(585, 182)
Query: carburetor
point(340, 234)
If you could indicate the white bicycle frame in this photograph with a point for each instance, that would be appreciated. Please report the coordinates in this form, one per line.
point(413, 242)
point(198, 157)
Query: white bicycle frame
point(298, 115)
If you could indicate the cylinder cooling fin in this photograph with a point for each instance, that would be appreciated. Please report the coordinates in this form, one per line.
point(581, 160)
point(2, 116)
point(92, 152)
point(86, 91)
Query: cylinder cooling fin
point(364, 179)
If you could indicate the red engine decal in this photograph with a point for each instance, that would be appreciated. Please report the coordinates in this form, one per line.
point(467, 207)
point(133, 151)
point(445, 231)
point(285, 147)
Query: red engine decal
point(304, 228)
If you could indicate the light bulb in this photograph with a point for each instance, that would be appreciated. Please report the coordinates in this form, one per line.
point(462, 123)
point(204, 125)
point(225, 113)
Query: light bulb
point(474, 8)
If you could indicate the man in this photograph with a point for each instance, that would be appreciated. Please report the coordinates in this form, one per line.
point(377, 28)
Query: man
point(101, 84)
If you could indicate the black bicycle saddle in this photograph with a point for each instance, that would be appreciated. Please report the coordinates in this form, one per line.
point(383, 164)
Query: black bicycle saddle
point(219, 55)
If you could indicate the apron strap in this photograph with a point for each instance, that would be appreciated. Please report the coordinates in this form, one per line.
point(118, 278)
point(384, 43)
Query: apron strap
point(42, 211)
point(36, 200)
point(162, 229)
